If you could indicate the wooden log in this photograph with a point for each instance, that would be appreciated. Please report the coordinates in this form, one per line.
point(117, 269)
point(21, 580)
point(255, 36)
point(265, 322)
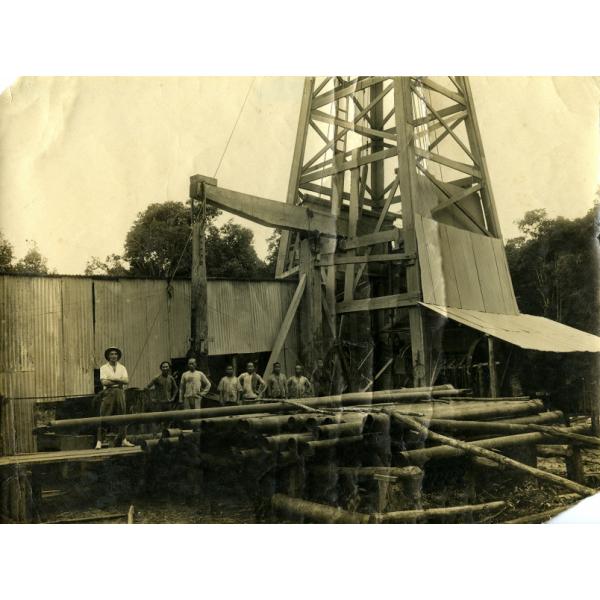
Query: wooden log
point(354, 399)
point(465, 411)
point(470, 448)
point(364, 472)
point(308, 448)
point(285, 441)
point(574, 464)
point(407, 516)
point(501, 425)
point(553, 451)
point(315, 512)
point(539, 517)
point(130, 515)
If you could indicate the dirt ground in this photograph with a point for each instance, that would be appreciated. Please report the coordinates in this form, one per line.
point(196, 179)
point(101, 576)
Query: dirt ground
point(227, 503)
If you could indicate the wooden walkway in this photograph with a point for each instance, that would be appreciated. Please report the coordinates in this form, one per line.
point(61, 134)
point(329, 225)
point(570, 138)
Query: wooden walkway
point(92, 455)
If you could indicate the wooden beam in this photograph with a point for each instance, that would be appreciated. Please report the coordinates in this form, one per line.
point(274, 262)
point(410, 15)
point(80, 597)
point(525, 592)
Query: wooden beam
point(445, 112)
point(476, 144)
point(354, 214)
point(275, 214)
point(341, 259)
point(345, 90)
point(448, 162)
point(436, 87)
point(285, 325)
point(295, 169)
point(446, 126)
point(351, 126)
point(350, 164)
point(371, 239)
point(381, 303)
point(464, 193)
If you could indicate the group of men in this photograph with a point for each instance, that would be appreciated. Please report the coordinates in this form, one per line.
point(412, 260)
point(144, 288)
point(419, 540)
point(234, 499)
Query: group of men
point(194, 385)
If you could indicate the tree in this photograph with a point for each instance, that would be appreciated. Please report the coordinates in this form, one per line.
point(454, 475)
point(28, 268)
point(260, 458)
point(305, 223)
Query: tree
point(112, 265)
point(6, 254)
point(158, 244)
point(554, 269)
point(273, 242)
point(230, 252)
point(33, 262)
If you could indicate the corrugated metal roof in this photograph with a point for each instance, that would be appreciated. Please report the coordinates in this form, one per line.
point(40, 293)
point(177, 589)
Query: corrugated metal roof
point(526, 331)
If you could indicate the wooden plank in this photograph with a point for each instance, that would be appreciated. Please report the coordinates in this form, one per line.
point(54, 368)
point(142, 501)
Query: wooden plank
point(353, 216)
point(327, 260)
point(372, 239)
point(381, 303)
point(450, 285)
point(465, 269)
point(487, 273)
point(431, 238)
point(508, 292)
point(285, 326)
point(424, 268)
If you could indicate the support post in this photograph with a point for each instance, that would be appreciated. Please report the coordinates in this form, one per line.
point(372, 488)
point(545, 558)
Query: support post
point(199, 288)
point(492, 368)
point(407, 172)
point(311, 311)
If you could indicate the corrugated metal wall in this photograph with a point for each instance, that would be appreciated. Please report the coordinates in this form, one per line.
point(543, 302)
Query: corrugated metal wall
point(54, 330)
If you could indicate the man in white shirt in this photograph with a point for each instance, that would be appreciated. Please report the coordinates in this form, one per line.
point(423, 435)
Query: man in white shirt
point(194, 385)
point(114, 378)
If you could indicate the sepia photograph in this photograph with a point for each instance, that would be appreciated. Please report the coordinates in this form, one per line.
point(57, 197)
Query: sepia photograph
point(338, 299)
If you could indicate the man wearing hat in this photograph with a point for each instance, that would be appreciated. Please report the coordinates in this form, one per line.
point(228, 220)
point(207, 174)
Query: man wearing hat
point(114, 377)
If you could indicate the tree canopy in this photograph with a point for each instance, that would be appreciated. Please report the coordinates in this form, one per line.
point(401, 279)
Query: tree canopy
point(554, 269)
point(33, 262)
point(158, 245)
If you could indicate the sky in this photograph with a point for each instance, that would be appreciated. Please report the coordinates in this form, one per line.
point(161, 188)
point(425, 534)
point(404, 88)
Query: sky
point(80, 157)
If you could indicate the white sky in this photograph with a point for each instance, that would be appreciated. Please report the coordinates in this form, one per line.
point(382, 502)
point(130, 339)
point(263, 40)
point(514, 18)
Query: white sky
point(80, 157)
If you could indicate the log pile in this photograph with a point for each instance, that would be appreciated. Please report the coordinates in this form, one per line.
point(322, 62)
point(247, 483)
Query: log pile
point(354, 458)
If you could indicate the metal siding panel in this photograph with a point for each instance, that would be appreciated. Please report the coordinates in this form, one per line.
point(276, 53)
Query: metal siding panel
point(179, 318)
point(527, 331)
point(135, 330)
point(108, 325)
point(78, 336)
point(157, 316)
point(244, 316)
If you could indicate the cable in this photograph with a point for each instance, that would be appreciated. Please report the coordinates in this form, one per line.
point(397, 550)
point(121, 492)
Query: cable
point(234, 126)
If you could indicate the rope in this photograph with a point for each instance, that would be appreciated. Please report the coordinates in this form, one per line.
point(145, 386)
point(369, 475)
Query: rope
point(234, 126)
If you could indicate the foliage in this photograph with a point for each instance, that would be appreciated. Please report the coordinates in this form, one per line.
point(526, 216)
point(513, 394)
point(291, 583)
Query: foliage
point(32, 263)
point(6, 254)
point(272, 251)
point(230, 252)
point(112, 265)
point(158, 245)
point(554, 269)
